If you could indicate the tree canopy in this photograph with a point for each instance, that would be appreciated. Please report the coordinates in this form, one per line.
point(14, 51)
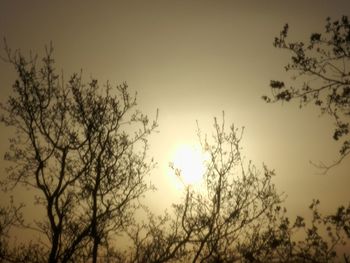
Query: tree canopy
point(323, 66)
point(73, 143)
point(83, 148)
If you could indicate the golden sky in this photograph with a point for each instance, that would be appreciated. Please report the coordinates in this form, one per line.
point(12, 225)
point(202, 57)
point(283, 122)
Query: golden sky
point(192, 60)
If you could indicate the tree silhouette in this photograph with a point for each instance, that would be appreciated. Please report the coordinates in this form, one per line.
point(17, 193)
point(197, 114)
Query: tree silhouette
point(237, 216)
point(212, 224)
point(83, 148)
point(323, 66)
point(9, 217)
point(316, 240)
point(237, 199)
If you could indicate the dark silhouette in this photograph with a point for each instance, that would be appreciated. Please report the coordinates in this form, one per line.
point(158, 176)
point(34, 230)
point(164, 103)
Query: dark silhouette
point(212, 223)
point(322, 65)
point(73, 146)
point(237, 217)
point(83, 150)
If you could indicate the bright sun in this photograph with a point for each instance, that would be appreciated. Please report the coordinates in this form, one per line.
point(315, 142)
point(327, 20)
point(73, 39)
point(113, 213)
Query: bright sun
point(189, 160)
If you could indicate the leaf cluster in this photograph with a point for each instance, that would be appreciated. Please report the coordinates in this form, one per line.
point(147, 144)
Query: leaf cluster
point(322, 65)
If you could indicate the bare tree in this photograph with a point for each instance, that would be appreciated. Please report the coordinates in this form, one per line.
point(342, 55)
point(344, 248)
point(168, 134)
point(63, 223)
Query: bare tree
point(82, 147)
point(237, 199)
point(159, 239)
point(212, 223)
point(10, 216)
point(319, 239)
point(323, 66)
point(237, 216)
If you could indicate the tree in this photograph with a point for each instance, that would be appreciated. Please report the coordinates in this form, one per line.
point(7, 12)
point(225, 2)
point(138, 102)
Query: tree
point(213, 223)
point(9, 217)
point(316, 240)
point(323, 66)
point(237, 216)
point(236, 201)
point(82, 148)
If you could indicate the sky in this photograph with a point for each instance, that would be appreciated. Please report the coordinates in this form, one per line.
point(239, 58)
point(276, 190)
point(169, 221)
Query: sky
point(193, 60)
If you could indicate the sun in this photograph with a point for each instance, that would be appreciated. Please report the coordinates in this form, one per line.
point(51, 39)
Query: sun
point(188, 164)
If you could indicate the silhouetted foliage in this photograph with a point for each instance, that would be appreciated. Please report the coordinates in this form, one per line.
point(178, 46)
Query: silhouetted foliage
point(213, 222)
point(83, 148)
point(236, 201)
point(237, 217)
point(12, 217)
point(9, 217)
point(323, 66)
point(302, 241)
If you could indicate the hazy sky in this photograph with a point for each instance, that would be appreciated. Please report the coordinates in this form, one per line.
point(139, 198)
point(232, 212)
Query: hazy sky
point(192, 60)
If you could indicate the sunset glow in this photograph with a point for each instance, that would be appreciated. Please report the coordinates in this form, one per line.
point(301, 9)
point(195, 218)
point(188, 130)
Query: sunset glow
point(187, 165)
point(175, 131)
